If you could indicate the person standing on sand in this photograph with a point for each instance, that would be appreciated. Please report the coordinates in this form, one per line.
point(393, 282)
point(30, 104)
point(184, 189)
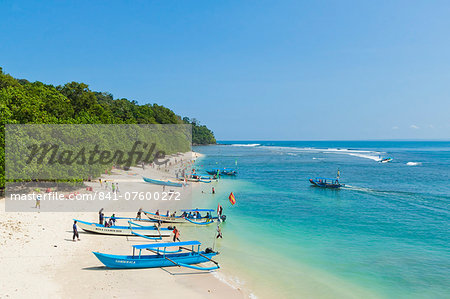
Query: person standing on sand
point(213, 191)
point(117, 188)
point(100, 181)
point(138, 216)
point(100, 218)
point(38, 201)
point(113, 188)
point(176, 234)
point(75, 231)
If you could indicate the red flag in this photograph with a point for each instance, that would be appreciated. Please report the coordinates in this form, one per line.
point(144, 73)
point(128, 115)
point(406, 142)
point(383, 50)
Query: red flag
point(232, 198)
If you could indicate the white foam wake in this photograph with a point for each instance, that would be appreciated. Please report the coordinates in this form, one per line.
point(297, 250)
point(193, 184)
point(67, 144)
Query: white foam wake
point(246, 145)
point(372, 155)
point(414, 163)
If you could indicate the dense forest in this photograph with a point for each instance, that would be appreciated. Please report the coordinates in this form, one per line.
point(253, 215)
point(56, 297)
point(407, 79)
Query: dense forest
point(24, 102)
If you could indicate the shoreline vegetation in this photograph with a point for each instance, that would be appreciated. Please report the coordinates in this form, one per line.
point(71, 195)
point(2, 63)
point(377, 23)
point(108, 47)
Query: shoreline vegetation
point(25, 102)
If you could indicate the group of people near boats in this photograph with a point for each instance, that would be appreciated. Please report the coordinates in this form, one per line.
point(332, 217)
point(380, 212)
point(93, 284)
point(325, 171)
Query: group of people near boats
point(106, 223)
point(195, 215)
point(114, 186)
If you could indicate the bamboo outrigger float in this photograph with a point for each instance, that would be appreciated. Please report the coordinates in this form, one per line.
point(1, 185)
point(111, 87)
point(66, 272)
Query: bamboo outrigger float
point(161, 258)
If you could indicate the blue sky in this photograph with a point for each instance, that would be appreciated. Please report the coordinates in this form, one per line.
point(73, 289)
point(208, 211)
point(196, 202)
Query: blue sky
point(250, 70)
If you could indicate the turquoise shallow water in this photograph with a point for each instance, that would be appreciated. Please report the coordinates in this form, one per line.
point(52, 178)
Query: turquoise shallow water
point(386, 234)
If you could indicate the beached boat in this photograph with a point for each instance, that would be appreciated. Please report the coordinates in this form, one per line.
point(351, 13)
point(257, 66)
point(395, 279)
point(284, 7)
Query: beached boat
point(186, 217)
point(326, 183)
point(195, 180)
point(150, 231)
point(164, 183)
point(161, 258)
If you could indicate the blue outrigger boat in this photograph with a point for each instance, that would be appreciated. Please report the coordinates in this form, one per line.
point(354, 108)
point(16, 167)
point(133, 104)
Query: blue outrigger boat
point(224, 171)
point(161, 258)
point(326, 183)
point(187, 217)
point(164, 183)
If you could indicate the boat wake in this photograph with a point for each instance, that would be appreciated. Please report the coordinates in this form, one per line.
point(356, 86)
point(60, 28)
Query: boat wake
point(372, 155)
point(414, 163)
point(354, 188)
point(246, 145)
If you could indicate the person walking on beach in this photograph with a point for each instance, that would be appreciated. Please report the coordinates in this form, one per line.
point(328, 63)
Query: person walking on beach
point(75, 231)
point(113, 218)
point(117, 188)
point(138, 216)
point(176, 234)
point(113, 188)
point(100, 181)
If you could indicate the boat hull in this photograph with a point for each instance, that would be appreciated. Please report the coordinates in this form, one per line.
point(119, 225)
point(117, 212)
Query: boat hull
point(325, 185)
point(151, 261)
point(162, 183)
point(122, 230)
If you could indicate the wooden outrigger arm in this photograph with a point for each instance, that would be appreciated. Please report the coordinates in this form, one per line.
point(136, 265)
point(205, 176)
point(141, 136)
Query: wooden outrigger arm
point(202, 255)
point(145, 237)
point(186, 265)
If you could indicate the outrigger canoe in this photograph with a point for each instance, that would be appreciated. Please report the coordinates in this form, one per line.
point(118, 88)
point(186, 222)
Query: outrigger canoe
point(195, 180)
point(326, 183)
point(130, 230)
point(161, 258)
point(164, 183)
point(224, 171)
point(181, 219)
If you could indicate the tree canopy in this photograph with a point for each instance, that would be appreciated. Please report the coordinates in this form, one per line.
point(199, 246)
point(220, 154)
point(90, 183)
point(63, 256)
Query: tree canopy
point(24, 102)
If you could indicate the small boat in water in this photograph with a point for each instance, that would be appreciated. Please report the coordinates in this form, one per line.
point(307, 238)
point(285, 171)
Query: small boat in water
point(215, 171)
point(326, 183)
point(130, 230)
point(224, 171)
point(386, 160)
point(164, 183)
point(230, 172)
point(161, 258)
point(190, 216)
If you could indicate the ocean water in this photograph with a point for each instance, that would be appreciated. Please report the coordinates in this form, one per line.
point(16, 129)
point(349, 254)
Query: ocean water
point(385, 235)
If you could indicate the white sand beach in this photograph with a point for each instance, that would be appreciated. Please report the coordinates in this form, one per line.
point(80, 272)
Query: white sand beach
point(39, 259)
